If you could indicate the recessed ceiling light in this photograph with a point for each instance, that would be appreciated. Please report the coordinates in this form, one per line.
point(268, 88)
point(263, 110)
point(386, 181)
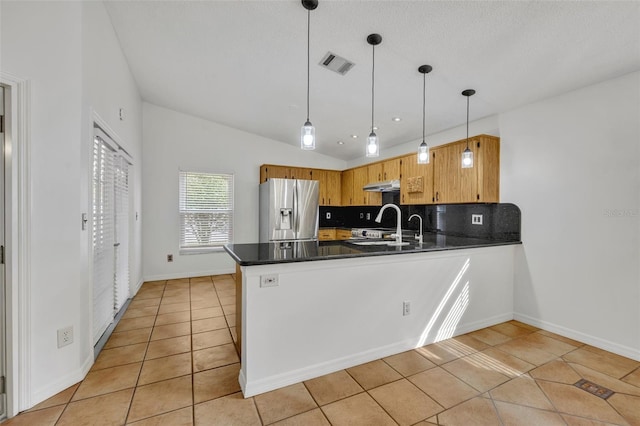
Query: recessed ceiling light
point(354, 136)
point(340, 143)
point(396, 119)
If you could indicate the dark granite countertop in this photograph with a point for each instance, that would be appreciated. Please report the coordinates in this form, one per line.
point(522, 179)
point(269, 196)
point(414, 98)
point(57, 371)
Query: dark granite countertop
point(269, 253)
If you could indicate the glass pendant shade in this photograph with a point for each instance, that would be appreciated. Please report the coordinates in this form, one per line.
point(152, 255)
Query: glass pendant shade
point(308, 136)
point(423, 153)
point(467, 159)
point(373, 148)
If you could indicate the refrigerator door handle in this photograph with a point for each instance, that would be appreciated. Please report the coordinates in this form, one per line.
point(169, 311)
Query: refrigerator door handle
point(296, 212)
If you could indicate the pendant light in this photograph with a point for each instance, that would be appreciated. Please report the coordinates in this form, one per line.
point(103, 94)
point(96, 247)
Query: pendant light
point(423, 149)
point(373, 145)
point(467, 154)
point(308, 132)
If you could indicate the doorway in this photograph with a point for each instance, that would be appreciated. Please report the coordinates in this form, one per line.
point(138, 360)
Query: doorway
point(110, 218)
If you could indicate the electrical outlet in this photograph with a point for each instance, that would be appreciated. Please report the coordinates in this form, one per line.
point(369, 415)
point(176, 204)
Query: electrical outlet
point(169, 258)
point(368, 216)
point(406, 308)
point(270, 280)
point(476, 219)
point(361, 215)
point(328, 215)
point(65, 336)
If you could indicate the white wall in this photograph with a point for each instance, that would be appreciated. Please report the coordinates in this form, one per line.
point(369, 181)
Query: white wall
point(174, 141)
point(48, 44)
point(572, 165)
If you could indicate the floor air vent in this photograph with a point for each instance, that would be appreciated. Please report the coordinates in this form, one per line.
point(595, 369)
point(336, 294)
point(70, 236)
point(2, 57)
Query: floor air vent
point(336, 63)
point(593, 388)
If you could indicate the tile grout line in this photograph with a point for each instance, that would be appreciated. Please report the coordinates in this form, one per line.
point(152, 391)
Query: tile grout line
point(135, 388)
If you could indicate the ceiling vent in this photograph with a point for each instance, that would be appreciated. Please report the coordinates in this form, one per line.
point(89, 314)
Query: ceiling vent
point(336, 63)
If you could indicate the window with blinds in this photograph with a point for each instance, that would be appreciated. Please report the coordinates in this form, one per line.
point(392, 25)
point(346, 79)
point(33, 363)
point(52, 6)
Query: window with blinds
point(206, 211)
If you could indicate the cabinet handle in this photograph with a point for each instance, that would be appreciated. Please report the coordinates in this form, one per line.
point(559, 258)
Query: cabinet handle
point(385, 175)
point(379, 176)
point(329, 201)
point(437, 196)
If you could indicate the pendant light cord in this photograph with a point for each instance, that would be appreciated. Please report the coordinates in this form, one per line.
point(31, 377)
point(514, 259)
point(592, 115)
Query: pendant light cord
point(373, 70)
point(308, 57)
point(424, 96)
point(467, 122)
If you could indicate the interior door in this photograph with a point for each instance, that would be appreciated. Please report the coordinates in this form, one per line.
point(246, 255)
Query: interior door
point(110, 231)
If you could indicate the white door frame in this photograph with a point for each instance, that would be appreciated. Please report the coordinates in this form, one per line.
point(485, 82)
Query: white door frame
point(18, 246)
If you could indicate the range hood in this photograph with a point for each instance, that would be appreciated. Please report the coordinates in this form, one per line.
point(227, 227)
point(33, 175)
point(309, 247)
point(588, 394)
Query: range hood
point(385, 186)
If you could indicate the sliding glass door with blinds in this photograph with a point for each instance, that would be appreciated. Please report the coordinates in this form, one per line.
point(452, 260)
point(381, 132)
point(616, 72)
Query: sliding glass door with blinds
point(110, 231)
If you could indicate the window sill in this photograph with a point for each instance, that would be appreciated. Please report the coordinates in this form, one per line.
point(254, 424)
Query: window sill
point(200, 250)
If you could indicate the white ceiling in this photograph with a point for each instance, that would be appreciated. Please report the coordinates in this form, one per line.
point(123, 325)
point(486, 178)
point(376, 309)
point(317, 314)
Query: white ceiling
point(243, 63)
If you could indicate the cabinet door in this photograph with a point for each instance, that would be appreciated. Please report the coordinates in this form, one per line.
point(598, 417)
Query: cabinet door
point(452, 183)
point(360, 179)
point(332, 186)
point(347, 188)
point(410, 192)
point(301, 173)
point(488, 151)
point(271, 171)
point(343, 234)
point(375, 174)
point(391, 169)
point(326, 234)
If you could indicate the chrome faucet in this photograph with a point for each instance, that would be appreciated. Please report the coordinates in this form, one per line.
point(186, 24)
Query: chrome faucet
point(417, 237)
point(398, 234)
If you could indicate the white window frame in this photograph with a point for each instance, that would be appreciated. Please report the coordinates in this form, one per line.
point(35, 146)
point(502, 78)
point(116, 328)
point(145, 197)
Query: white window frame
point(184, 246)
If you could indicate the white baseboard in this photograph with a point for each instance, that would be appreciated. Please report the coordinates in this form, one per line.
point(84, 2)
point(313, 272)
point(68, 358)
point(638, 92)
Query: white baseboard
point(251, 388)
point(179, 275)
point(606, 345)
point(62, 384)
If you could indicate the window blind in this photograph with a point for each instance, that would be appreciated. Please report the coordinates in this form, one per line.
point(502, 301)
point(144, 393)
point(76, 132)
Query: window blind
point(206, 210)
point(103, 236)
point(121, 190)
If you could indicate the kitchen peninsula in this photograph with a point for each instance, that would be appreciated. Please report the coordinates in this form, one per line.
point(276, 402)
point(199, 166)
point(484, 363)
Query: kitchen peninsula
point(307, 309)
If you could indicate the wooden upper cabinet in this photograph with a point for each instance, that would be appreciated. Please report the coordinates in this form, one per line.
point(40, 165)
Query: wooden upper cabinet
point(453, 184)
point(488, 152)
point(270, 171)
point(302, 173)
point(384, 170)
point(480, 183)
point(330, 186)
point(391, 169)
point(360, 179)
point(347, 188)
point(416, 182)
point(375, 172)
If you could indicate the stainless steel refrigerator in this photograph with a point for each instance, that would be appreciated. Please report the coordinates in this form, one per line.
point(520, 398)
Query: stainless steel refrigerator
point(288, 210)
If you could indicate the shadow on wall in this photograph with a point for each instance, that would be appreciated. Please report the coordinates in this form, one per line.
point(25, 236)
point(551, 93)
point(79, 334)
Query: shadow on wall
point(524, 295)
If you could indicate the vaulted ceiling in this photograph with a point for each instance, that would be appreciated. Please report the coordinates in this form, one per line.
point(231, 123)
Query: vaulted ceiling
point(243, 63)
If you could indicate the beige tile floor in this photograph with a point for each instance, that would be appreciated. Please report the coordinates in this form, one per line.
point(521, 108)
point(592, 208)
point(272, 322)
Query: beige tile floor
point(171, 361)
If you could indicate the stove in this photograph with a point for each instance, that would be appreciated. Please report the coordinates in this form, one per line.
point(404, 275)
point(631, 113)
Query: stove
point(377, 233)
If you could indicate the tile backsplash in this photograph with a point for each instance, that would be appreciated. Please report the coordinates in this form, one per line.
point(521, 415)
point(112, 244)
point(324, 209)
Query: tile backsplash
point(500, 221)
